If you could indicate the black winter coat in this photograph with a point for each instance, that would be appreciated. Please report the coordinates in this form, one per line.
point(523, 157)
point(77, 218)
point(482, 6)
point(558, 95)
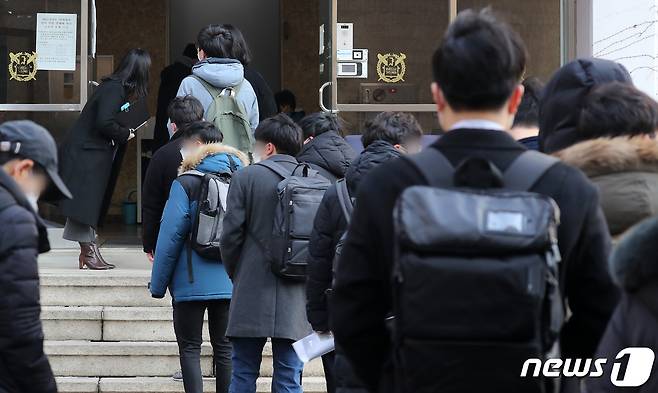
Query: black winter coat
point(362, 295)
point(161, 172)
point(23, 365)
point(170, 79)
point(266, 104)
point(329, 226)
point(88, 164)
point(329, 154)
point(564, 96)
point(634, 324)
point(635, 321)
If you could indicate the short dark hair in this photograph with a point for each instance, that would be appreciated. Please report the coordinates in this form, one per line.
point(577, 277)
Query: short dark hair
point(184, 111)
point(281, 131)
point(285, 97)
point(392, 127)
point(6, 156)
point(617, 109)
point(320, 122)
point(190, 51)
point(480, 61)
point(528, 112)
point(216, 41)
point(204, 131)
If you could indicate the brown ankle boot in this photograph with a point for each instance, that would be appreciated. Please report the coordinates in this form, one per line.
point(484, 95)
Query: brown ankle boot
point(88, 258)
point(97, 251)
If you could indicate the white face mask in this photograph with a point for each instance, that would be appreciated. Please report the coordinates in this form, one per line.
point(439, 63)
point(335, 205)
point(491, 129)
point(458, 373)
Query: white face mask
point(170, 129)
point(257, 158)
point(33, 200)
point(184, 153)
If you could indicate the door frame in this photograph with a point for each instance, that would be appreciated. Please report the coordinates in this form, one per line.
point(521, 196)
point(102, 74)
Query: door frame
point(84, 79)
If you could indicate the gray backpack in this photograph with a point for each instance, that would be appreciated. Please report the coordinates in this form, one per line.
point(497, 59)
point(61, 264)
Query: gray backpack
point(207, 221)
point(300, 193)
point(230, 117)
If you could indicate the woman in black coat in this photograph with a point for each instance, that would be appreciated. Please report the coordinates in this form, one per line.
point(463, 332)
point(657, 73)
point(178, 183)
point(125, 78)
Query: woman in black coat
point(91, 154)
point(635, 321)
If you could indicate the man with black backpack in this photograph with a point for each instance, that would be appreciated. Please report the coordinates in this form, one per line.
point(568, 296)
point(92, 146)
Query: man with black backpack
point(455, 270)
point(270, 213)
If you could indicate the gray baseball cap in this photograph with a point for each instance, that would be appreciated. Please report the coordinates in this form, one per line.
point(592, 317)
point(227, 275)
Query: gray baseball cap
point(29, 140)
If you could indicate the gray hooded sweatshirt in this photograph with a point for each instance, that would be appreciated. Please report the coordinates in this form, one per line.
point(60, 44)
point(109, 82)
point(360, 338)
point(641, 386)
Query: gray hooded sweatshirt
point(221, 73)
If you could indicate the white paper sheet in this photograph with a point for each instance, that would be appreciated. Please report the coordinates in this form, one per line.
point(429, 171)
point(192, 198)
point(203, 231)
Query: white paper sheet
point(56, 41)
point(313, 346)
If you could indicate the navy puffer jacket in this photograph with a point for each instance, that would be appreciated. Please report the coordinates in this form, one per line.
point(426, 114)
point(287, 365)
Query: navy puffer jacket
point(23, 365)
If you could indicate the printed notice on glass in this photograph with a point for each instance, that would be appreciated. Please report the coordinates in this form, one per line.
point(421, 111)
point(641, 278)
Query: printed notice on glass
point(56, 41)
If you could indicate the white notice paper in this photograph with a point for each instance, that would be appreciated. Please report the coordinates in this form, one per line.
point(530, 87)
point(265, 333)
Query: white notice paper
point(313, 346)
point(56, 41)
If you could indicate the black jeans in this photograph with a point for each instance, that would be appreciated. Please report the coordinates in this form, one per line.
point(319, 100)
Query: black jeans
point(188, 324)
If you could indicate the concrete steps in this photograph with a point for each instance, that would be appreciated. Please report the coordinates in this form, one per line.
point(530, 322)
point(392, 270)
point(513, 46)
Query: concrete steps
point(105, 333)
point(137, 359)
point(109, 323)
point(161, 385)
point(126, 288)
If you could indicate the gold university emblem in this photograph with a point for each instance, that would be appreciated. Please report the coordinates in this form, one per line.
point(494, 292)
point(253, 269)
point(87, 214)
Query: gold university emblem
point(391, 67)
point(22, 66)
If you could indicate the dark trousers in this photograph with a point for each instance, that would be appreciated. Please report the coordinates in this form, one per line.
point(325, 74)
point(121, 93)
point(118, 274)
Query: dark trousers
point(188, 324)
point(329, 372)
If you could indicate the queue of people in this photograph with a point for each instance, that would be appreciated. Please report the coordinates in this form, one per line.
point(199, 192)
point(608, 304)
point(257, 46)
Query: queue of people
point(441, 270)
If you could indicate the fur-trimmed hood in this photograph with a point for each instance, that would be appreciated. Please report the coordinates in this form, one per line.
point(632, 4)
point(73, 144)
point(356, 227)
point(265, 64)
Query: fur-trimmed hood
point(212, 149)
point(604, 156)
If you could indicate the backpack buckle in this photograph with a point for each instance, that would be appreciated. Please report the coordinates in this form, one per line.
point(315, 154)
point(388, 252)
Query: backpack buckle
point(229, 90)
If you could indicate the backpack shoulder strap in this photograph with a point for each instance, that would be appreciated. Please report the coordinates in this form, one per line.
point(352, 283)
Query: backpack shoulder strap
point(344, 199)
point(193, 172)
point(526, 170)
point(212, 90)
point(434, 166)
point(276, 168)
point(233, 167)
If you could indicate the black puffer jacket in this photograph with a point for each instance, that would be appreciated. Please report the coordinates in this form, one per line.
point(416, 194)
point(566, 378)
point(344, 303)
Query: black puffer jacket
point(564, 96)
point(635, 321)
point(23, 365)
point(328, 227)
point(329, 154)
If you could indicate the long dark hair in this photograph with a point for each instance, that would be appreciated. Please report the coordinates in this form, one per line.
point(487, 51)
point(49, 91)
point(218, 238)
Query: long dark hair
point(133, 72)
point(241, 49)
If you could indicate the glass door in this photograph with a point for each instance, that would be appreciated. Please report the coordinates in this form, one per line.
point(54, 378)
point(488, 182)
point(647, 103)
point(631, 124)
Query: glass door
point(43, 55)
point(327, 44)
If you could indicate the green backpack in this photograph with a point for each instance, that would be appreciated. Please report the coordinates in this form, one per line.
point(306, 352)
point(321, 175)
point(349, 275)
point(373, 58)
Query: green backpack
point(230, 117)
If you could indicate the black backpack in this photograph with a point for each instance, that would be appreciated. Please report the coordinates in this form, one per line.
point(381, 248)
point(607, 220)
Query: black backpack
point(299, 193)
point(475, 279)
point(207, 221)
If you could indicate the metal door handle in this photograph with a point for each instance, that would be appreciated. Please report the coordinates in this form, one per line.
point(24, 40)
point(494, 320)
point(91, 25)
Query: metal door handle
point(324, 108)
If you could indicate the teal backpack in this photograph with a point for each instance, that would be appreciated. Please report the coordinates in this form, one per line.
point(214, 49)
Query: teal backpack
point(230, 117)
